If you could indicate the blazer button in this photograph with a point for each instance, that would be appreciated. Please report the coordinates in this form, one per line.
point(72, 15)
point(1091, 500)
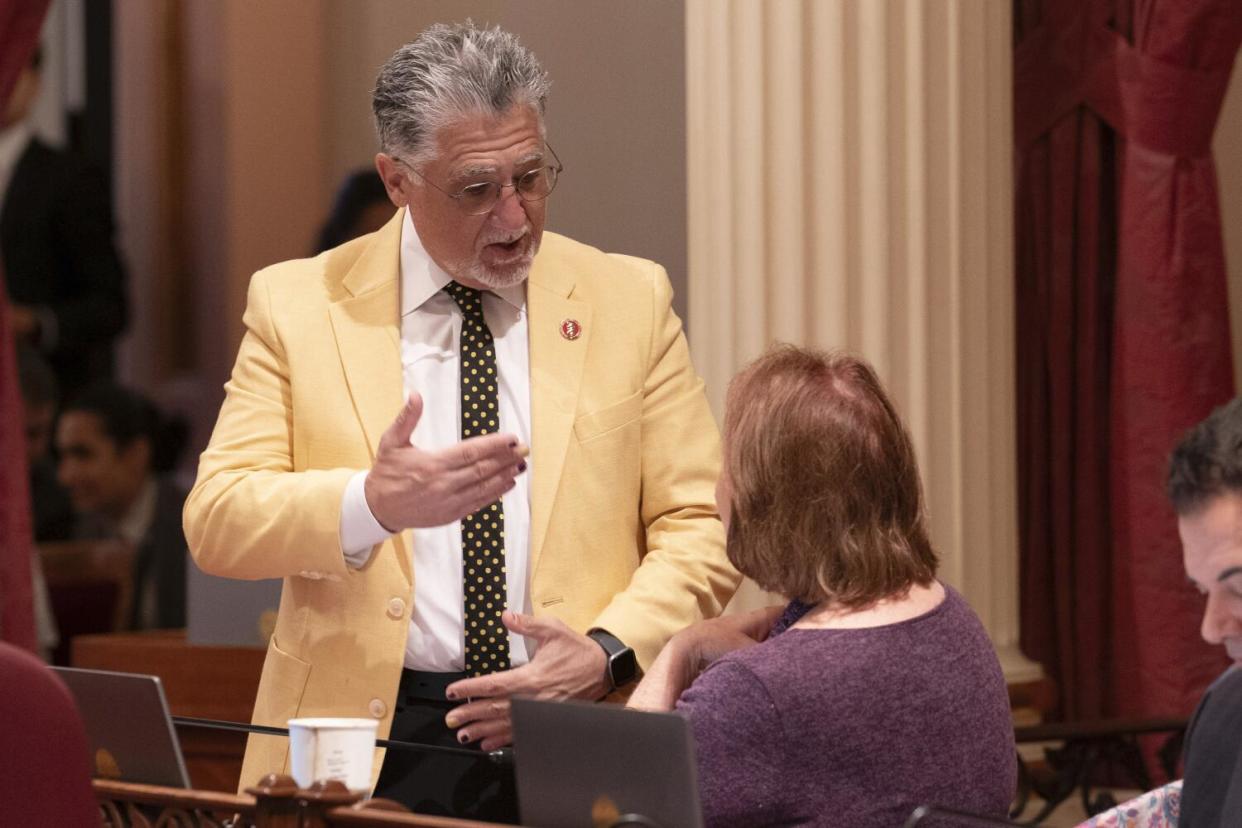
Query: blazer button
point(378, 708)
point(396, 608)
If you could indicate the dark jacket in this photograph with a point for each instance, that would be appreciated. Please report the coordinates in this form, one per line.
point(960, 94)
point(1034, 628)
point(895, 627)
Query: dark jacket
point(1212, 789)
point(161, 558)
point(56, 235)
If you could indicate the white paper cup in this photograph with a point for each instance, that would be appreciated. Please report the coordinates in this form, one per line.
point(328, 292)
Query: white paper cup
point(328, 748)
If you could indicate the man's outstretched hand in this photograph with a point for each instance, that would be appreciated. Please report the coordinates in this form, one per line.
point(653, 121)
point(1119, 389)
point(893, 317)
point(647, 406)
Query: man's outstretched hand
point(411, 488)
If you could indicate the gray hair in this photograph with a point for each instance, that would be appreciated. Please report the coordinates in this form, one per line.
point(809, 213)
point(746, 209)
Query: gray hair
point(447, 72)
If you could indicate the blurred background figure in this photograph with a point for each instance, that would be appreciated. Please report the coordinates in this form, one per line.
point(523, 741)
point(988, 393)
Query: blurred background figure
point(65, 279)
point(361, 206)
point(19, 27)
point(113, 451)
point(52, 511)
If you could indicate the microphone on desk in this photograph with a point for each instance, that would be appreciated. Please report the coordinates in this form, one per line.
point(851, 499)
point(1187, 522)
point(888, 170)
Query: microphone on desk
point(502, 756)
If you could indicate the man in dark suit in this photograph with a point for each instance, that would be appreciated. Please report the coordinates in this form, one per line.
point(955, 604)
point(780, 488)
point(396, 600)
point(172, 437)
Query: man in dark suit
point(109, 441)
point(65, 279)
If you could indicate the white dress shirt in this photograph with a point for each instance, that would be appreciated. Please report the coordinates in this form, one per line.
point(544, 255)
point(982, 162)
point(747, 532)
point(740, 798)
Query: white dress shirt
point(13, 142)
point(133, 528)
point(430, 331)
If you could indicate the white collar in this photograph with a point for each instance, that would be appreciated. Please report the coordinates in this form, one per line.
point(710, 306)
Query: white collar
point(137, 521)
point(13, 142)
point(422, 278)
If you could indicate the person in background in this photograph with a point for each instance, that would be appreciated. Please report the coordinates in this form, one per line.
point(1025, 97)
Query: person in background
point(65, 280)
point(1205, 488)
point(876, 689)
point(112, 447)
point(51, 509)
point(361, 206)
point(51, 512)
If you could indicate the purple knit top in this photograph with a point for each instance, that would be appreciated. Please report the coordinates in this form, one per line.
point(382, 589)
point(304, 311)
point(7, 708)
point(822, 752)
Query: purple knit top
point(855, 727)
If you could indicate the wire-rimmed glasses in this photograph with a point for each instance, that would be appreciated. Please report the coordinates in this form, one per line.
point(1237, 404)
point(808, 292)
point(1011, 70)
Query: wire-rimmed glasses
point(479, 199)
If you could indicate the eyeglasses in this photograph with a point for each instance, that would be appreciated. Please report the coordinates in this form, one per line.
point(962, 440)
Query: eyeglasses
point(479, 199)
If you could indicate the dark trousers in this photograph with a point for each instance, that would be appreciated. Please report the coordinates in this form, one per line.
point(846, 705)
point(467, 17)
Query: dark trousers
point(426, 782)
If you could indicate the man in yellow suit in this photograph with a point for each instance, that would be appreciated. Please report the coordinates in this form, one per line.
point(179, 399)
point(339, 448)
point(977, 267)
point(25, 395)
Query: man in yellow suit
point(429, 572)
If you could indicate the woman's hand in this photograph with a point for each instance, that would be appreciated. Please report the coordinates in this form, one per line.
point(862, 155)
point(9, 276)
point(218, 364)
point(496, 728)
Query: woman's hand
point(708, 640)
point(690, 651)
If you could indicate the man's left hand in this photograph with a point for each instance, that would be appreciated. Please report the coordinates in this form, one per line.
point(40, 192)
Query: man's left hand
point(566, 665)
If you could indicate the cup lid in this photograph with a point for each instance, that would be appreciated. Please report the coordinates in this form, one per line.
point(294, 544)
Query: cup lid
point(330, 723)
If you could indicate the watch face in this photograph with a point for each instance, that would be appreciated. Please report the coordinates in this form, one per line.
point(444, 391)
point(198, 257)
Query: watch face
point(624, 667)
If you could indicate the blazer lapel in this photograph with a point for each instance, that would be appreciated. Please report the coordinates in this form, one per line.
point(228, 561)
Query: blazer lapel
point(364, 323)
point(556, 364)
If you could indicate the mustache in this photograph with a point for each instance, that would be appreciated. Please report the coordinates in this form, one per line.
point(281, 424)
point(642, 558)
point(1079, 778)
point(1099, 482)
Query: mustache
point(500, 237)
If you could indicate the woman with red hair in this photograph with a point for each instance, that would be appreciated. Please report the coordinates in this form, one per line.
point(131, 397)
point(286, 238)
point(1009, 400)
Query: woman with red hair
point(876, 689)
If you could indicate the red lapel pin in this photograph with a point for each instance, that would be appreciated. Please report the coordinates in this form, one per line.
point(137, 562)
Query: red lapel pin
point(570, 329)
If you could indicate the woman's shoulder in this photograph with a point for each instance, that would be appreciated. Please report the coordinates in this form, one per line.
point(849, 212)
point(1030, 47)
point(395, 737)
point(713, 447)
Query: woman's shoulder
point(959, 618)
point(735, 684)
point(815, 655)
point(776, 665)
point(743, 667)
point(799, 657)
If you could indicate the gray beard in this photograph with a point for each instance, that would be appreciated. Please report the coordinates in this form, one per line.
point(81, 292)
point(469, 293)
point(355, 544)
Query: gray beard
point(497, 280)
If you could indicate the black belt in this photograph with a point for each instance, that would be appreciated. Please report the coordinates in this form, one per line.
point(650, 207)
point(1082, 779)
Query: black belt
point(419, 685)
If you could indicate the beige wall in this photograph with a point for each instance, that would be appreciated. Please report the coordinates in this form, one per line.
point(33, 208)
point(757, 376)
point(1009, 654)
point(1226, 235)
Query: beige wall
point(616, 114)
point(220, 168)
point(1228, 148)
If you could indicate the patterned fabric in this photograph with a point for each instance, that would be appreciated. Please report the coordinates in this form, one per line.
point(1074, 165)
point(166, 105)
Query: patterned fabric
point(794, 611)
point(1157, 808)
point(483, 532)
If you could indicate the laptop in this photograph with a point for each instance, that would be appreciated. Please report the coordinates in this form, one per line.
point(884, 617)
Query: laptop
point(249, 620)
point(592, 764)
point(128, 726)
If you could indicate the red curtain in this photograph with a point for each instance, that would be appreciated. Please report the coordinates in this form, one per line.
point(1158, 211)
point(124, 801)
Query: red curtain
point(1123, 335)
point(20, 22)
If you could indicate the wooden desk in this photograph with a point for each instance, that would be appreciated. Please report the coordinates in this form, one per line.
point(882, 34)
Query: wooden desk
point(203, 682)
point(276, 802)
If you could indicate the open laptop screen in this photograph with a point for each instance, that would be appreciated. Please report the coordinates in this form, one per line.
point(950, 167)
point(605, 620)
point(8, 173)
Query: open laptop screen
point(586, 764)
point(128, 726)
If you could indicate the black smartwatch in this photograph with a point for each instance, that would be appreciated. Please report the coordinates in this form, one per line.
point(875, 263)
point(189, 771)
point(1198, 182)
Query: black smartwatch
point(622, 665)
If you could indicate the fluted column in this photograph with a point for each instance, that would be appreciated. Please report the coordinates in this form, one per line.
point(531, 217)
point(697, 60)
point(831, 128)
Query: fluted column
point(850, 187)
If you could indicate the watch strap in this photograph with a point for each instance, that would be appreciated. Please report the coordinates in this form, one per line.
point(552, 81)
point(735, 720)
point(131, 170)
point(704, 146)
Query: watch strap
point(616, 652)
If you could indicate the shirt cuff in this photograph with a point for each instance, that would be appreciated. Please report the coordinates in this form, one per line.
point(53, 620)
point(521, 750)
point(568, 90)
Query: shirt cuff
point(360, 531)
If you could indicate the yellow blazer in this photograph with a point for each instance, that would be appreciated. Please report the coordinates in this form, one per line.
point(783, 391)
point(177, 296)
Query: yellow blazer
point(624, 531)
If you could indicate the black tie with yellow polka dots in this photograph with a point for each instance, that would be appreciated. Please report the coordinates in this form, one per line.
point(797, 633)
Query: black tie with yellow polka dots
point(482, 532)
